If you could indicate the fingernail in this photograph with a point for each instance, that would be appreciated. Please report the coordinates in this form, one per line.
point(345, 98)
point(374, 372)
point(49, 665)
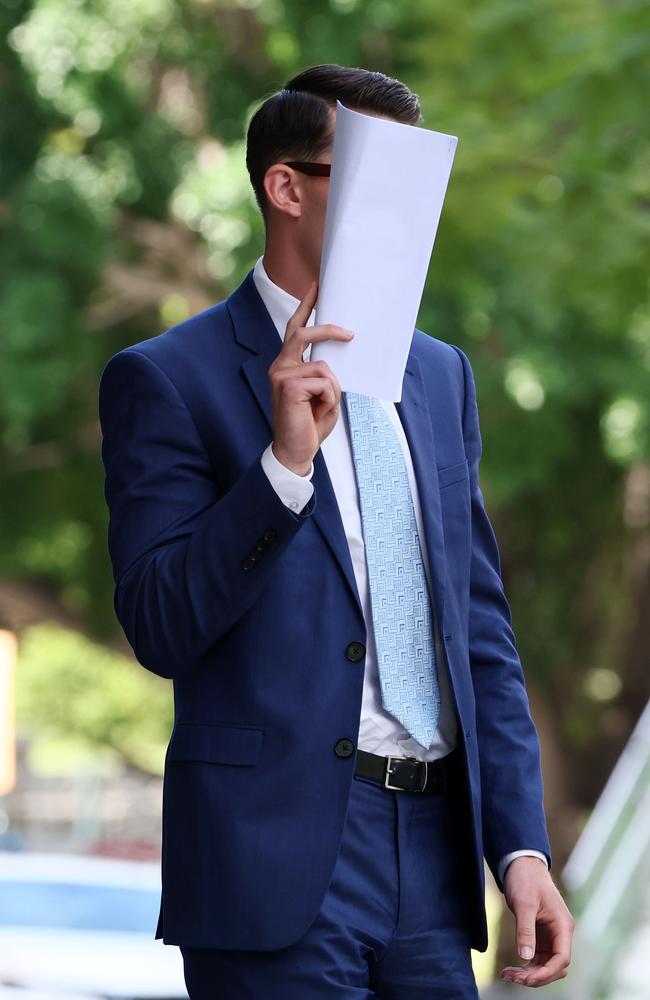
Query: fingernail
point(507, 979)
point(526, 952)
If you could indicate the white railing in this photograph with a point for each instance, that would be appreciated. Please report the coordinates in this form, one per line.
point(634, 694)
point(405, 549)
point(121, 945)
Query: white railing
point(608, 873)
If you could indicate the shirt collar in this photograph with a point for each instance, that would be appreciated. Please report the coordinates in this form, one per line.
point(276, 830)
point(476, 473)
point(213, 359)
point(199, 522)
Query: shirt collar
point(279, 303)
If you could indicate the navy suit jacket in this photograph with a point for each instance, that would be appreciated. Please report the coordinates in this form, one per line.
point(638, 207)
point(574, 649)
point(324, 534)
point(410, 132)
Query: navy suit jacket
point(250, 607)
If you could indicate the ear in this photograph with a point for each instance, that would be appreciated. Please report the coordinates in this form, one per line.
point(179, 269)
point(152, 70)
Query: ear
point(284, 189)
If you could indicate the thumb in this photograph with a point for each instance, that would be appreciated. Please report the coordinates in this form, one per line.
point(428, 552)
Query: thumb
point(526, 932)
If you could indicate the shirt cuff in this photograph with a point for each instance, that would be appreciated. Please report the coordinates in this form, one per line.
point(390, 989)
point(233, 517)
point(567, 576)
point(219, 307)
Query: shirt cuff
point(295, 491)
point(507, 858)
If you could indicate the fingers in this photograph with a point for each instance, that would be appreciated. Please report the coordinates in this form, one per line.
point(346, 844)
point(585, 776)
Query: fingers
point(308, 369)
point(301, 383)
point(550, 963)
point(298, 335)
point(302, 390)
point(549, 971)
point(297, 340)
point(556, 966)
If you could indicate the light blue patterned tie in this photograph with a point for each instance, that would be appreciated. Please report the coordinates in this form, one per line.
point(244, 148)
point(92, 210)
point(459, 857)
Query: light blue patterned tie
point(399, 595)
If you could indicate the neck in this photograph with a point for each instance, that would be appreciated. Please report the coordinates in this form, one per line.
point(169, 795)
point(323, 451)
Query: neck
point(287, 266)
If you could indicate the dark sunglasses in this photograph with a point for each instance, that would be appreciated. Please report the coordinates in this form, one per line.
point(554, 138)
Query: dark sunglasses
point(314, 169)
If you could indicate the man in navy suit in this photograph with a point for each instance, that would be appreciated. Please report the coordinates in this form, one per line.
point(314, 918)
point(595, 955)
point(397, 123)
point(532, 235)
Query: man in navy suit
point(311, 845)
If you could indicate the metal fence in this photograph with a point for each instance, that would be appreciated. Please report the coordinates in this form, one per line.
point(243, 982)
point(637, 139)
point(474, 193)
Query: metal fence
point(608, 880)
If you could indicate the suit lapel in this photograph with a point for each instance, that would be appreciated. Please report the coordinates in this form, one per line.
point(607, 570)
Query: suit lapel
point(255, 330)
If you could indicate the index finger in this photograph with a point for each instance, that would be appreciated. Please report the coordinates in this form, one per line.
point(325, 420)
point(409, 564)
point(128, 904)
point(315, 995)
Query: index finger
point(303, 312)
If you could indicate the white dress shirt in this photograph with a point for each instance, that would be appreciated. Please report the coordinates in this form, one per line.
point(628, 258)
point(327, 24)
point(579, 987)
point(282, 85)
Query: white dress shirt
point(379, 731)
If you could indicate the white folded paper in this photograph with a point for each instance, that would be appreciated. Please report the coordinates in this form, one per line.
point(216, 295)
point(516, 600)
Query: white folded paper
point(387, 188)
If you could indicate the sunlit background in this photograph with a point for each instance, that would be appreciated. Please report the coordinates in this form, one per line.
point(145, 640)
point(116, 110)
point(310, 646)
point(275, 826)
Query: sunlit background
point(125, 207)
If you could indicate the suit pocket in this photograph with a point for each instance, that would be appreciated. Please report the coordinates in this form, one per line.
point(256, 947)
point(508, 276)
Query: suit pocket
point(453, 474)
point(216, 743)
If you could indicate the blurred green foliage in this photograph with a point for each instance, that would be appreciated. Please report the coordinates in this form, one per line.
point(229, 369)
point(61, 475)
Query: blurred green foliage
point(76, 699)
point(125, 206)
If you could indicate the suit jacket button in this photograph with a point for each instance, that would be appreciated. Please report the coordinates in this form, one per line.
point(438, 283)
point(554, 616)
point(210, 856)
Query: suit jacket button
point(270, 534)
point(355, 651)
point(344, 748)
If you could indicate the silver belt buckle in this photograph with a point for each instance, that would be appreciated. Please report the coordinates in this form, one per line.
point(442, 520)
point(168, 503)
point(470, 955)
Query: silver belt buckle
point(389, 771)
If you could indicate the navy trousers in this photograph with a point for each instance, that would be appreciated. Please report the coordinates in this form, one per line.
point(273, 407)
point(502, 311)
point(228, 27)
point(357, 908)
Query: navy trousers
point(393, 924)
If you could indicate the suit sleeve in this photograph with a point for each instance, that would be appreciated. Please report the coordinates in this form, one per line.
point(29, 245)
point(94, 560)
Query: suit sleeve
point(508, 745)
point(188, 561)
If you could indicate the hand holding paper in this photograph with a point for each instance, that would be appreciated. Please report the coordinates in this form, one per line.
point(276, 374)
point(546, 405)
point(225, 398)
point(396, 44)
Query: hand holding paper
point(305, 395)
point(387, 187)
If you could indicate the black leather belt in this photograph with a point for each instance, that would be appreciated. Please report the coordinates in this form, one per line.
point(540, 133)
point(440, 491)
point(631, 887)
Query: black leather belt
point(408, 774)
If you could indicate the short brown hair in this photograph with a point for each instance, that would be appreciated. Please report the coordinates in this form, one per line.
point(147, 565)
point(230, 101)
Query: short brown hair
point(295, 123)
